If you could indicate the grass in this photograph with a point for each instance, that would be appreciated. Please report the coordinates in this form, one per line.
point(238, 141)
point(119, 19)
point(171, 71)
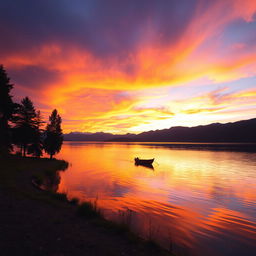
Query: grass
point(74, 201)
point(88, 210)
point(17, 173)
point(59, 196)
point(50, 174)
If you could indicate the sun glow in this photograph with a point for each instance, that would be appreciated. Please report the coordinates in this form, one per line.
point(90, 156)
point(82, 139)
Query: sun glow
point(200, 74)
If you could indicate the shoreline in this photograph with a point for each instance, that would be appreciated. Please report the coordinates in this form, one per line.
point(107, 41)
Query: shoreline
point(78, 229)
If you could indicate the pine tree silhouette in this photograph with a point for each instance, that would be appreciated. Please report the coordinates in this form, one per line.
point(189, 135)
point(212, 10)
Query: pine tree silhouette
point(26, 126)
point(6, 111)
point(36, 147)
point(54, 138)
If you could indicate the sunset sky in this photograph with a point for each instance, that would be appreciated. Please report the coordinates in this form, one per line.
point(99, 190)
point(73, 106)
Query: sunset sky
point(131, 66)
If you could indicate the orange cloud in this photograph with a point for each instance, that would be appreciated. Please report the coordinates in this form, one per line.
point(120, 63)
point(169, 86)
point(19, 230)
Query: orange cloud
point(101, 92)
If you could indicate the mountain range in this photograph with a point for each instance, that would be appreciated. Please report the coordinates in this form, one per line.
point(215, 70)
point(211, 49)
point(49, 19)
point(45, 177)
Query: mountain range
point(241, 131)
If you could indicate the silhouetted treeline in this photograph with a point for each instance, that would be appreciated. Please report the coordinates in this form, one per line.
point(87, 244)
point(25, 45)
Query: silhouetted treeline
point(21, 125)
point(53, 139)
point(6, 110)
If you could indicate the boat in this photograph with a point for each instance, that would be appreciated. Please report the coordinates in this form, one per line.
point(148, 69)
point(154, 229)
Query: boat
point(147, 162)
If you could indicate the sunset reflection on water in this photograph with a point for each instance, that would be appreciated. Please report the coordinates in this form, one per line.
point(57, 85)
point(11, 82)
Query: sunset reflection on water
point(199, 201)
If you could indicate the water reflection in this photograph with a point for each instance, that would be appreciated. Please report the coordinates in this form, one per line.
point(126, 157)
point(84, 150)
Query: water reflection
point(198, 200)
point(149, 166)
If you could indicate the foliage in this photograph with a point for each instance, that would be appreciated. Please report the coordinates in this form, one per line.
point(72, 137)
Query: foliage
point(6, 111)
point(21, 124)
point(36, 147)
point(54, 138)
point(74, 201)
point(88, 210)
point(60, 196)
point(27, 124)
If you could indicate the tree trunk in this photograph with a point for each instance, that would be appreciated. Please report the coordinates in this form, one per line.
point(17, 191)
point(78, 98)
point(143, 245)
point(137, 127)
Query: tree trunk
point(24, 151)
point(51, 156)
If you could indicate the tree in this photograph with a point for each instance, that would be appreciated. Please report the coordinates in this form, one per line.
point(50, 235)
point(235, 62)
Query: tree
point(6, 111)
point(26, 126)
point(54, 138)
point(36, 147)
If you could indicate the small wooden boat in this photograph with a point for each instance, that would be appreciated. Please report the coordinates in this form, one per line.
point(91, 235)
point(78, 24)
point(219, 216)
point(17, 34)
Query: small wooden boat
point(143, 161)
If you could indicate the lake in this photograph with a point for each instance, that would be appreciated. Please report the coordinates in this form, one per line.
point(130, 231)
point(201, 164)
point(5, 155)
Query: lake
point(194, 201)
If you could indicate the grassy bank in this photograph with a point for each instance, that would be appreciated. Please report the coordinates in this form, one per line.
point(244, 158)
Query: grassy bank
point(36, 222)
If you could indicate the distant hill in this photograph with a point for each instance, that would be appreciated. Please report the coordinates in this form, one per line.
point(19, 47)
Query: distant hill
point(98, 136)
point(79, 136)
point(241, 131)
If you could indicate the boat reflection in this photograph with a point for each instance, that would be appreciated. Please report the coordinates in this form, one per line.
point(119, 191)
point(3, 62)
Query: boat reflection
point(149, 166)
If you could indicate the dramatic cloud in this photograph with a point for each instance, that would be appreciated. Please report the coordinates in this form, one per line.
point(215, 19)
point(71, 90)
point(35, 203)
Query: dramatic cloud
point(126, 66)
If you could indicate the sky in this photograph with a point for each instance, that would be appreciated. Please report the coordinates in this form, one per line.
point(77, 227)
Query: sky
point(131, 66)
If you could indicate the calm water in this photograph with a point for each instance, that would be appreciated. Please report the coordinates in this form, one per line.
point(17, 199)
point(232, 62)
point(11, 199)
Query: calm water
point(200, 201)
